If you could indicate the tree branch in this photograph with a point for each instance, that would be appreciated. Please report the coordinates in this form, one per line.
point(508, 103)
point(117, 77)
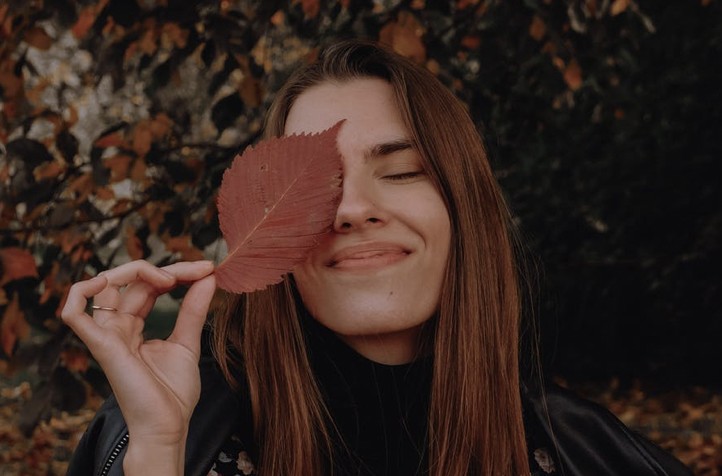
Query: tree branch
point(119, 216)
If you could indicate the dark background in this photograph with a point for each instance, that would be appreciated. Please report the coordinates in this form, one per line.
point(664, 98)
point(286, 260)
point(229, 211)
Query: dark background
point(602, 119)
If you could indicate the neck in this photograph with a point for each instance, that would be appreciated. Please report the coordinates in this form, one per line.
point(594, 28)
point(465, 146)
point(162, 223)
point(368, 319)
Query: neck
point(393, 348)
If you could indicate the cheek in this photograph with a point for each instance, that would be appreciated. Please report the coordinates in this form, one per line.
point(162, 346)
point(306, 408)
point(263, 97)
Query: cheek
point(304, 283)
point(434, 225)
point(438, 240)
point(442, 230)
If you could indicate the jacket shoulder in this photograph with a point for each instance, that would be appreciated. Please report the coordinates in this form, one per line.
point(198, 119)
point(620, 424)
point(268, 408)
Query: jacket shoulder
point(218, 413)
point(104, 433)
point(587, 439)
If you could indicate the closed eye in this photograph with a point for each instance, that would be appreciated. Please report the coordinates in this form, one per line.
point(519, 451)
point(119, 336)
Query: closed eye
point(404, 176)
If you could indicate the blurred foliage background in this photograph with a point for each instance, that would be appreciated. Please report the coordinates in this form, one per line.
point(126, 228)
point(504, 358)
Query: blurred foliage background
point(118, 117)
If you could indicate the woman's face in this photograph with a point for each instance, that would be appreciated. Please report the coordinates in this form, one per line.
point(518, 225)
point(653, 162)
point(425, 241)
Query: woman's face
point(377, 277)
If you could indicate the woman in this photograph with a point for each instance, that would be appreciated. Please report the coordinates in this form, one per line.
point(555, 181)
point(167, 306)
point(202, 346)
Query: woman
point(393, 349)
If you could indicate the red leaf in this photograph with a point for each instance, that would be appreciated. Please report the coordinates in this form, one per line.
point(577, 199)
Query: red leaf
point(537, 29)
point(618, 6)
point(38, 38)
point(86, 18)
point(182, 244)
point(310, 8)
point(275, 203)
point(13, 326)
point(404, 36)
point(16, 263)
point(75, 360)
point(573, 75)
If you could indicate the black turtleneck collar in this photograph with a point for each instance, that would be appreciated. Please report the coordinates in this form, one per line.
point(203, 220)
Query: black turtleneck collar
point(380, 411)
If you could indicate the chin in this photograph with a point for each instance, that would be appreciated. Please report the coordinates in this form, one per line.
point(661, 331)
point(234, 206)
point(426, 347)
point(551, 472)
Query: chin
point(374, 324)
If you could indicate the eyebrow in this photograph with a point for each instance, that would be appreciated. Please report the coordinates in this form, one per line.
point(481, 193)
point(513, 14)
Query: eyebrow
point(387, 148)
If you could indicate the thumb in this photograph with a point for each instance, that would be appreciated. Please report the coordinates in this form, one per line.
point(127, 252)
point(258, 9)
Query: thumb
point(192, 314)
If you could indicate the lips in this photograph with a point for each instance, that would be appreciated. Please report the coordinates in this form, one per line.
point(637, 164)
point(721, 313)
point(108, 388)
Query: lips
point(368, 255)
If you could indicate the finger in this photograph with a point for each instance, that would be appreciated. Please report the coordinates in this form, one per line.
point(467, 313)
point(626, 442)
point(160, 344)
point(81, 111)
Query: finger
point(138, 298)
point(79, 293)
point(73, 313)
point(189, 271)
point(128, 273)
point(138, 270)
point(192, 314)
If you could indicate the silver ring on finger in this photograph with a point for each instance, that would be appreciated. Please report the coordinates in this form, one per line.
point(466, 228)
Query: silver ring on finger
point(103, 308)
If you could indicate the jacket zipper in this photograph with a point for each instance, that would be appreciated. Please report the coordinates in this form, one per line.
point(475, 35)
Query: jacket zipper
point(114, 454)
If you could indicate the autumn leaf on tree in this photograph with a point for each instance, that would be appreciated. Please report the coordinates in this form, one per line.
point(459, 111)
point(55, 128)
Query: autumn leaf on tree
point(275, 203)
point(619, 6)
point(13, 326)
point(573, 75)
point(310, 8)
point(183, 246)
point(404, 36)
point(537, 29)
point(16, 263)
point(38, 38)
point(75, 359)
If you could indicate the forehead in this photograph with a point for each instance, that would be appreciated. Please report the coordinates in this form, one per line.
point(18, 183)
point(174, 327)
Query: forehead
point(367, 105)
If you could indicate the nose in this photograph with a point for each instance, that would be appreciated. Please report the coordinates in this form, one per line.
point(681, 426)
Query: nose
point(359, 207)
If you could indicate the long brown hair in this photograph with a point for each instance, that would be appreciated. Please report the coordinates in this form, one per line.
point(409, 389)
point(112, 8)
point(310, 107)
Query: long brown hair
point(475, 415)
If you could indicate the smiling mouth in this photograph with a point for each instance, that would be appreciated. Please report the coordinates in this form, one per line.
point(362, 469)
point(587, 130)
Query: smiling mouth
point(369, 259)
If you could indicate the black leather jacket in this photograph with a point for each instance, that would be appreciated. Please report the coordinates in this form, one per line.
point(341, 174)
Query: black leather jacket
point(590, 441)
point(102, 447)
